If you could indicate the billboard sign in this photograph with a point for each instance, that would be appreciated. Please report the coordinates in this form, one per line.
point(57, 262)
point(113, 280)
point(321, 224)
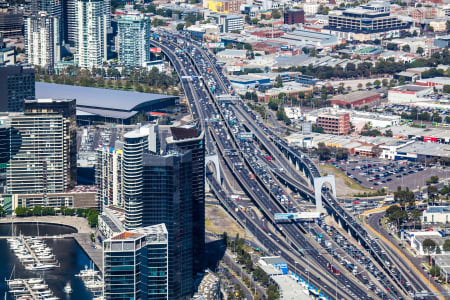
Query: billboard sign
point(155, 50)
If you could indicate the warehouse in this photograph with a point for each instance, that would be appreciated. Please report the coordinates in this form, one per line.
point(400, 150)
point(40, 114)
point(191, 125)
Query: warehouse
point(357, 99)
point(409, 94)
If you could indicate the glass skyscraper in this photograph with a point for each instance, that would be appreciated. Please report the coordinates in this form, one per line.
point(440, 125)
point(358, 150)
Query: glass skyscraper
point(136, 264)
point(134, 40)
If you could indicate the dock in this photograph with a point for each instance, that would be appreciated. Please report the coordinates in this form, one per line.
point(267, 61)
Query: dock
point(26, 289)
point(31, 251)
point(96, 255)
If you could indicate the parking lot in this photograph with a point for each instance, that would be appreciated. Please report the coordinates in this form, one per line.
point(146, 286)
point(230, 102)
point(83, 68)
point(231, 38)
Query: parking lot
point(377, 174)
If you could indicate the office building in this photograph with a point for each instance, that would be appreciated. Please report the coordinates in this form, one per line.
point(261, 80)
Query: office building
point(194, 140)
point(366, 22)
point(91, 31)
point(16, 84)
point(133, 40)
point(42, 40)
point(136, 264)
point(67, 109)
point(228, 23)
point(294, 16)
point(334, 123)
point(43, 165)
point(164, 187)
point(11, 20)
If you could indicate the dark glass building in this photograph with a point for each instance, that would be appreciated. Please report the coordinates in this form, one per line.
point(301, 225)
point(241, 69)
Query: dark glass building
point(194, 140)
point(135, 264)
point(16, 84)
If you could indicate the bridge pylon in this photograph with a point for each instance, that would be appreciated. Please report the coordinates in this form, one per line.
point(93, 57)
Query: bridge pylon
point(318, 184)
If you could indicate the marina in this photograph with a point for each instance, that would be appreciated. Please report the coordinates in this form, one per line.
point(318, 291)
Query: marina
point(68, 254)
point(33, 253)
point(30, 289)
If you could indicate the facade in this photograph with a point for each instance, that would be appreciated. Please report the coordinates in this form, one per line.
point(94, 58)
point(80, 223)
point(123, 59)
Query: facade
point(109, 176)
point(90, 40)
point(366, 22)
point(294, 16)
point(194, 140)
point(42, 40)
point(7, 56)
point(409, 93)
point(134, 40)
point(43, 165)
point(11, 21)
point(225, 6)
point(67, 109)
point(136, 264)
point(338, 124)
point(229, 23)
point(357, 99)
point(16, 84)
point(436, 214)
point(69, 22)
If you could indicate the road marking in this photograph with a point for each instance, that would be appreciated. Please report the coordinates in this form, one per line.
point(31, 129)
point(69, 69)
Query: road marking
point(403, 256)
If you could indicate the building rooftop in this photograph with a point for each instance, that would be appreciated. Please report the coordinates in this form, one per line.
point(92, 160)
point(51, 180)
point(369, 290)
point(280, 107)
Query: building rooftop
point(99, 98)
point(409, 88)
point(438, 209)
point(355, 96)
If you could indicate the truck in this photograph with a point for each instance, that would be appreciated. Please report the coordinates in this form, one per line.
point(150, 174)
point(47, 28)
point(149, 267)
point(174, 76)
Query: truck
point(334, 269)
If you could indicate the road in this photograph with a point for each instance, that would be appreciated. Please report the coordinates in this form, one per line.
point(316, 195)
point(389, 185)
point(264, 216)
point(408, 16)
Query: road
point(418, 279)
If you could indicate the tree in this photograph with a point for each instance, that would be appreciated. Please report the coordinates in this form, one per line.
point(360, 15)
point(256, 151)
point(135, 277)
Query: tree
point(368, 84)
point(428, 245)
point(21, 211)
point(406, 48)
point(360, 85)
point(385, 82)
point(37, 210)
point(278, 82)
point(276, 14)
point(435, 271)
point(323, 151)
point(341, 154)
point(377, 83)
point(273, 104)
point(180, 26)
point(388, 133)
point(446, 246)
point(446, 89)
point(2, 211)
point(419, 50)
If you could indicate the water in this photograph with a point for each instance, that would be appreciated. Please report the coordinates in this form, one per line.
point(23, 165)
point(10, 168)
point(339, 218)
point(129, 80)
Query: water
point(68, 253)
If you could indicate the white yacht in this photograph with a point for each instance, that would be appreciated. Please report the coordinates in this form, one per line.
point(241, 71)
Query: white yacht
point(68, 288)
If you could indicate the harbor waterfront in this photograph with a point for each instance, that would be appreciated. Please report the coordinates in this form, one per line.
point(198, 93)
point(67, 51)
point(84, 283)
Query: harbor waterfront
point(67, 251)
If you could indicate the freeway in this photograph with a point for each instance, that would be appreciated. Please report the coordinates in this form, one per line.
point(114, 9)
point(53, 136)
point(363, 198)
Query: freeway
point(219, 78)
point(253, 187)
